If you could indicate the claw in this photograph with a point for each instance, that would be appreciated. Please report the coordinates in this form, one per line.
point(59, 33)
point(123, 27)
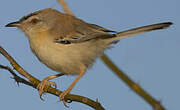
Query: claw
point(62, 95)
point(41, 86)
point(64, 102)
point(41, 96)
point(41, 92)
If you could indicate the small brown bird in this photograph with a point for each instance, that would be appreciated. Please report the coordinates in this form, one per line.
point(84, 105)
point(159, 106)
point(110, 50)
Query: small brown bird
point(69, 45)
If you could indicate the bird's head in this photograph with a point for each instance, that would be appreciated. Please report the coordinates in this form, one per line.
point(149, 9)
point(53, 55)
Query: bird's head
point(37, 22)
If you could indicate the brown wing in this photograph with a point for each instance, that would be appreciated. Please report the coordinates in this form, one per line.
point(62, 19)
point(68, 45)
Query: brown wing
point(80, 31)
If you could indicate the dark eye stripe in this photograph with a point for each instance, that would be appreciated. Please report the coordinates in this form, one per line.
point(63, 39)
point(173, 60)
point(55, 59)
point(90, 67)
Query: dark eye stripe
point(26, 17)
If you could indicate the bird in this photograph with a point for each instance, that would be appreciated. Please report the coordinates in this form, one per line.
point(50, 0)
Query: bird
point(69, 45)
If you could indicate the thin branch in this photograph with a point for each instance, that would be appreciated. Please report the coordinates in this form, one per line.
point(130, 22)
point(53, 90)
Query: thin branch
point(16, 77)
point(33, 82)
point(65, 7)
point(134, 86)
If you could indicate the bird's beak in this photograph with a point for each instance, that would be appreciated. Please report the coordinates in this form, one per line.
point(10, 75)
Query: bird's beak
point(13, 24)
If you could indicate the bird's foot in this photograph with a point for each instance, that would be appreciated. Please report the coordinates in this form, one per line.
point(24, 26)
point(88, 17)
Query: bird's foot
point(62, 96)
point(41, 86)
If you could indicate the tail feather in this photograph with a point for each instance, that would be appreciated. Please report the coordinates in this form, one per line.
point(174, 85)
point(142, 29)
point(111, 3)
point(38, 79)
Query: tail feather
point(139, 30)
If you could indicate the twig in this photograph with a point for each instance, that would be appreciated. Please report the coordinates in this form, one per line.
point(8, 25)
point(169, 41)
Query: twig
point(65, 7)
point(134, 86)
point(33, 82)
point(16, 77)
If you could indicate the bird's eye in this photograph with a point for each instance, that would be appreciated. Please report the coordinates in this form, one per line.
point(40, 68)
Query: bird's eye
point(34, 20)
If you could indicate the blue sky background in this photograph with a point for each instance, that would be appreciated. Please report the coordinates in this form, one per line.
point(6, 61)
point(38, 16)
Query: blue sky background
point(151, 59)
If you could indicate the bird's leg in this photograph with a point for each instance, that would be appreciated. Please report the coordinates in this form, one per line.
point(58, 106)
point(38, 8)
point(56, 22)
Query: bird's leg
point(67, 91)
point(46, 82)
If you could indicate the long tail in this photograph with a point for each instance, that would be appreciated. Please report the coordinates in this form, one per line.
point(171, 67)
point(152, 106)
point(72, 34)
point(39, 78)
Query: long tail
point(139, 30)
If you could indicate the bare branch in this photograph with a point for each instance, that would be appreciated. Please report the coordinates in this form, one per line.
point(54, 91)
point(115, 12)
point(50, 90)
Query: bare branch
point(135, 87)
point(16, 77)
point(65, 7)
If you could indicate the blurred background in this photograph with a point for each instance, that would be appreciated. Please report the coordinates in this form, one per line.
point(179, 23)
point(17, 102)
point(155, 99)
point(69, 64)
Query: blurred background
point(150, 59)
